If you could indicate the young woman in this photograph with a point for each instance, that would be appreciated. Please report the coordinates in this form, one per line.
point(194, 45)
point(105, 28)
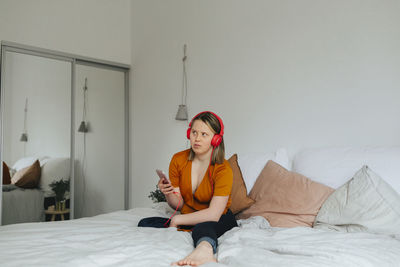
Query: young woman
point(200, 187)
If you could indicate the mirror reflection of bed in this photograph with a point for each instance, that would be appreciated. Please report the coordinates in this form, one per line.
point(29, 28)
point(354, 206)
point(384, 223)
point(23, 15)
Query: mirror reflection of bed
point(28, 193)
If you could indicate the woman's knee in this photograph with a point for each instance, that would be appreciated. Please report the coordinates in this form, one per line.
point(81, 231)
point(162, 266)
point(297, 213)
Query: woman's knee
point(204, 225)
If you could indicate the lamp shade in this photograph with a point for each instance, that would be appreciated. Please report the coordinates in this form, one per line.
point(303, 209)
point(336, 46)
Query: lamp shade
point(182, 114)
point(24, 137)
point(83, 128)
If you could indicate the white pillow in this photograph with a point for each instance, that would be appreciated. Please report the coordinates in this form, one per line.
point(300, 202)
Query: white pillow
point(23, 163)
point(251, 164)
point(364, 204)
point(335, 166)
point(54, 169)
point(28, 161)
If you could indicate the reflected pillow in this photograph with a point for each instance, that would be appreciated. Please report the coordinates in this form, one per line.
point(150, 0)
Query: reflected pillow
point(240, 200)
point(6, 174)
point(28, 177)
point(23, 163)
point(285, 198)
point(28, 161)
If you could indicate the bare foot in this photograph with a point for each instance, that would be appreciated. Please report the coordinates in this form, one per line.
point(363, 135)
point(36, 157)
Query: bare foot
point(203, 253)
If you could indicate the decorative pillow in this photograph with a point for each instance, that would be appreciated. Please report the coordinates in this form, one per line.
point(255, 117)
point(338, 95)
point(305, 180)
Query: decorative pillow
point(337, 165)
point(366, 203)
point(251, 164)
point(240, 201)
point(27, 177)
point(285, 198)
point(6, 174)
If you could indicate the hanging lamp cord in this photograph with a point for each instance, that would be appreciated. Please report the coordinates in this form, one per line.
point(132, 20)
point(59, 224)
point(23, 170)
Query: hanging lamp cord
point(25, 114)
point(184, 77)
point(83, 169)
point(84, 100)
point(184, 84)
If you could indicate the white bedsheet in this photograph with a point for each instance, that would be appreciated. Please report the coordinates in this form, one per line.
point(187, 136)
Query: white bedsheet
point(114, 240)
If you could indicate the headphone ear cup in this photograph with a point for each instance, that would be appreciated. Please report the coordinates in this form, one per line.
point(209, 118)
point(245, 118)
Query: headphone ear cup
point(188, 133)
point(217, 139)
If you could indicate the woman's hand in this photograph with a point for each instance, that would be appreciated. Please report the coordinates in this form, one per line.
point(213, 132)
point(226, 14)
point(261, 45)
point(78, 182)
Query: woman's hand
point(174, 221)
point(165, 186)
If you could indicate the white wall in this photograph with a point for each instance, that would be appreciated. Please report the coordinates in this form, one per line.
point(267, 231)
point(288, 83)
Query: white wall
point(92, 28)
point(280, 73)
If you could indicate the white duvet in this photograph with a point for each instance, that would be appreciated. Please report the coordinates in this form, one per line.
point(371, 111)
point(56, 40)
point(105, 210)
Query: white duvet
point(114, 240)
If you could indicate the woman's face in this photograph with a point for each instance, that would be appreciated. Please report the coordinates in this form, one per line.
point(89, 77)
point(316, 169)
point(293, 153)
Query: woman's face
point(200, 137)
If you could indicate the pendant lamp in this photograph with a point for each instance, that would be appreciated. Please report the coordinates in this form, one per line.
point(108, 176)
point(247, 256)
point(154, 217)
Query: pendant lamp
point(24, 135)
point(83, 127)
point(182, 114)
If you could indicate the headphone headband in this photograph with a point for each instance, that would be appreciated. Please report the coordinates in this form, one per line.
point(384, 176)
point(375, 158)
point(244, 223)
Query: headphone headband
point(217, 139)
point(221, 132)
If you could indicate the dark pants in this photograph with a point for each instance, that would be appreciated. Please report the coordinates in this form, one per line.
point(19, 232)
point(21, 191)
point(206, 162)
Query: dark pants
point(205, 231)
point(210, 231)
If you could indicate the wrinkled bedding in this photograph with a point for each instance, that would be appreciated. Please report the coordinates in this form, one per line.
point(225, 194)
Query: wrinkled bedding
point(9, 187)
point(114, 240)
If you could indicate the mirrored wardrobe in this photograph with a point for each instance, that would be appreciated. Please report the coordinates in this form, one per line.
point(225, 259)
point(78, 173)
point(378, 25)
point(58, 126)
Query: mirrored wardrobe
point(64, 132)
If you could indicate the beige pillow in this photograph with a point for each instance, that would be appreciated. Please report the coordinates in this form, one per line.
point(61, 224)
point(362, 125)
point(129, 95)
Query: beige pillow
point(285, 198)
point(240, 200)
point(27, 177)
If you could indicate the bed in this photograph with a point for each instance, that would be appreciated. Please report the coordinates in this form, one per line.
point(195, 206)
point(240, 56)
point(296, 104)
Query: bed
point(336, 238)
point(114, 240)
point(22, 205)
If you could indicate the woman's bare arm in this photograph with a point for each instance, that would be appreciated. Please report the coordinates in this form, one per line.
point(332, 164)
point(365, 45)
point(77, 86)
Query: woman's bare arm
point(212, 213)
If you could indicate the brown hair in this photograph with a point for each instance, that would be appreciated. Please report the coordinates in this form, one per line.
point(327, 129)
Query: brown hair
point(213, 123)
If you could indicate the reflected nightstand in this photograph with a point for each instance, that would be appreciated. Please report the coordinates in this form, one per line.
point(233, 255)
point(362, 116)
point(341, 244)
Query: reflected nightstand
point(57, 212)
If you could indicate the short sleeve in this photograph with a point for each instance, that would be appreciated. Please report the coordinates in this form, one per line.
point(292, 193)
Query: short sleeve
point(223, 180)
point(174, 172)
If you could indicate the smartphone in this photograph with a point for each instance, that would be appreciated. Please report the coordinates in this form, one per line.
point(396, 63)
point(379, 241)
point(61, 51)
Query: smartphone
point(161, 174)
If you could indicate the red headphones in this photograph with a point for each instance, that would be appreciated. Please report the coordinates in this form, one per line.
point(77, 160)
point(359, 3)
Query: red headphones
point(217, 138)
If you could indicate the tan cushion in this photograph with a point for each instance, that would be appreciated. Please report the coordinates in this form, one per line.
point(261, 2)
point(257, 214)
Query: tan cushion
point(240, 200)
point(28, 177)
point(6, 174)
point(285, 198)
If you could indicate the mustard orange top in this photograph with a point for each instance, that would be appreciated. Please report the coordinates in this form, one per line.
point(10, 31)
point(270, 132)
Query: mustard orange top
point(180, 170)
